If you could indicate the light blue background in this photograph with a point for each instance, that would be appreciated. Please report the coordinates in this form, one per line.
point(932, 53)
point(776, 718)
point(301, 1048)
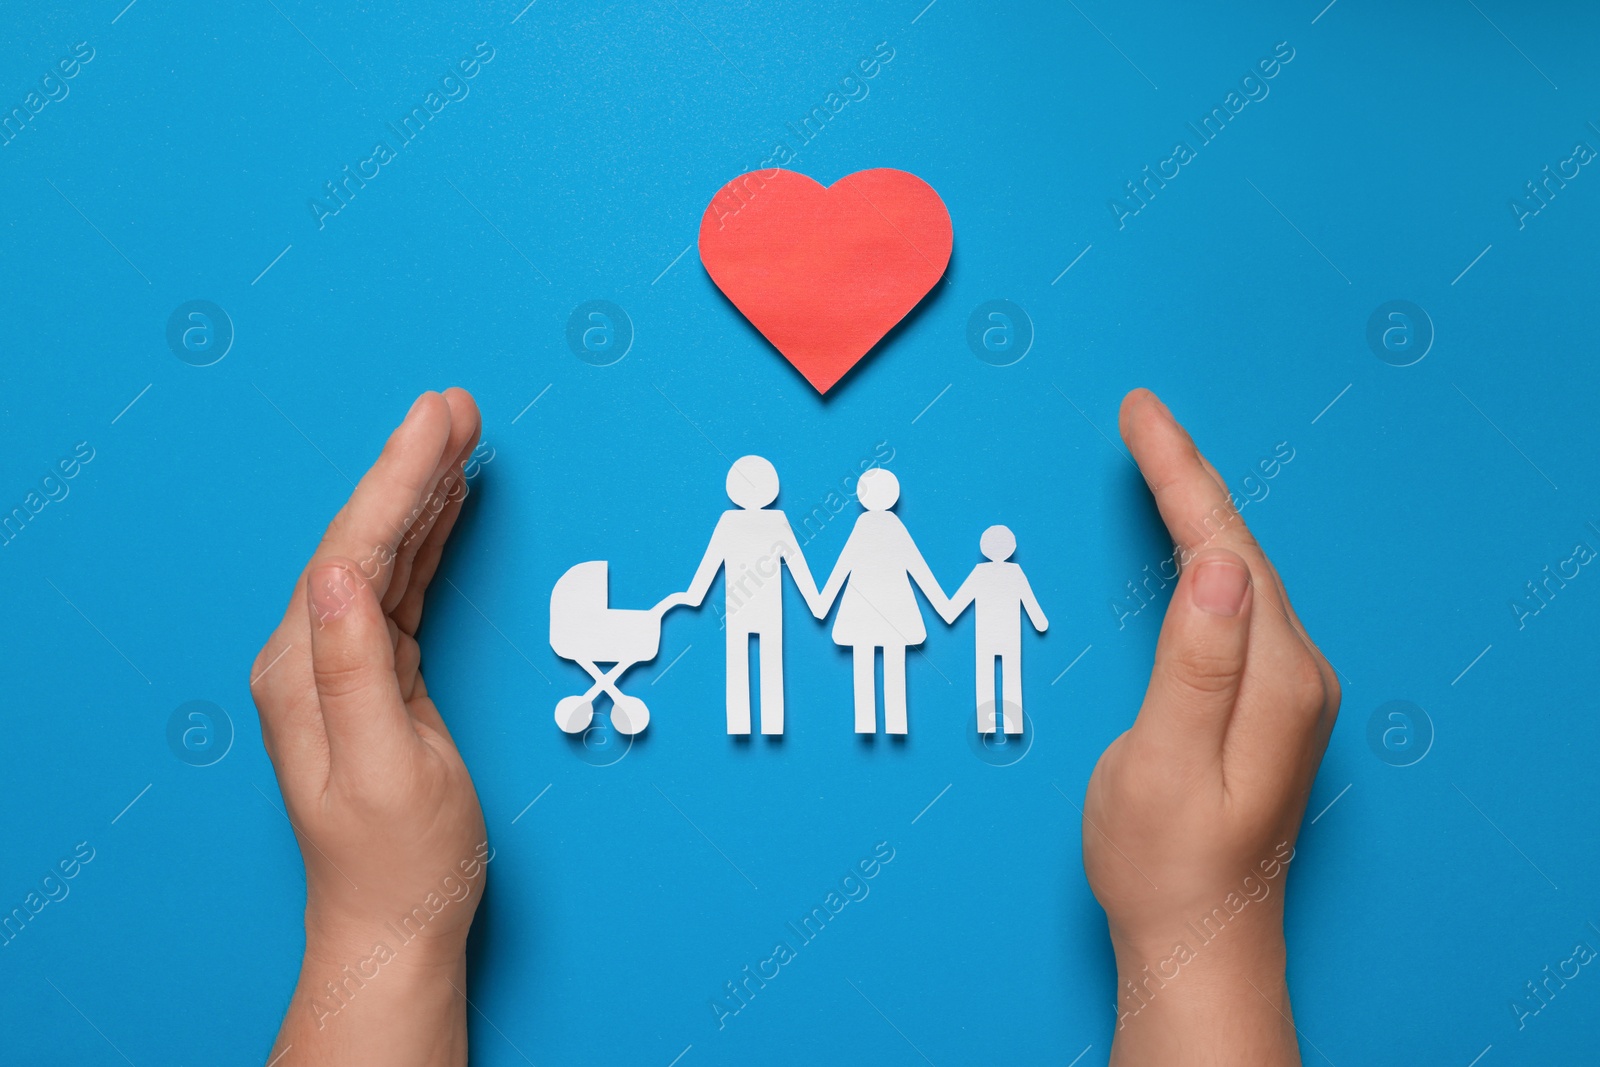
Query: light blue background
point(1414, 511)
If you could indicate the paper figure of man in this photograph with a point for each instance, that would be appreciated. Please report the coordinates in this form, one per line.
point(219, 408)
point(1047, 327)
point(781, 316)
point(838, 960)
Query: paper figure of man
point(751, 544)
point(1001, 593)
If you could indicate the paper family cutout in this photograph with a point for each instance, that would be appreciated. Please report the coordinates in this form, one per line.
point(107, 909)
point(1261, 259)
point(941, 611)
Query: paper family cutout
point(825, 272)
point(872, 582)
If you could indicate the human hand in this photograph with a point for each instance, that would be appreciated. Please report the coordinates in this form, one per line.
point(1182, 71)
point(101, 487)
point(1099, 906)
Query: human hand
point(1191, 815)
point(384, 810)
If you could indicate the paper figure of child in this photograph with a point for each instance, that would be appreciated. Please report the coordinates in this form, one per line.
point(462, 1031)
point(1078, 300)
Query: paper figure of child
point(1001, 592)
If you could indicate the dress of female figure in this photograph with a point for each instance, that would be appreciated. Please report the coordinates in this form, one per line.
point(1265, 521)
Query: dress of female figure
point(880, 610)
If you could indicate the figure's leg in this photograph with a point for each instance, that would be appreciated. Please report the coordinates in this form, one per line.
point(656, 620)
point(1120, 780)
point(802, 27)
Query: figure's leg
point(769, 650)
point(866, 690)
point(1011, 688)
point(738, 681)
point(987, 712)
point(894, 689)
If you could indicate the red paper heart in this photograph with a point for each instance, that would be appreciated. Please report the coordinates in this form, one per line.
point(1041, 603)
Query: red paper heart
point(824, 273)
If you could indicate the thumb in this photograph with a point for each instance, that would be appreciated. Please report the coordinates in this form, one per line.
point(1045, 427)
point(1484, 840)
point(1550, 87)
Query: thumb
point(1200, 657)
point(352, 662)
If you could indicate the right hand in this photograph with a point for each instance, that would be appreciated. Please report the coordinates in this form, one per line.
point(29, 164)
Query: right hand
point(1191, 815)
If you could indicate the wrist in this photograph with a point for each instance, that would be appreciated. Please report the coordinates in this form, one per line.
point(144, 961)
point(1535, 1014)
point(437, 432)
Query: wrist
point(365, 947)
point(1201, 996)
point(403, 1007)
point(1188, 965)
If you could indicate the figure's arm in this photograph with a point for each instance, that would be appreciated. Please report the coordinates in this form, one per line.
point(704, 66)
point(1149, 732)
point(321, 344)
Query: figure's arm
point(1031, 604)
point(841, 571)
point(710, 563)
point(801, 572)
point(920, 573)
point(961, 601)
point(666, 604)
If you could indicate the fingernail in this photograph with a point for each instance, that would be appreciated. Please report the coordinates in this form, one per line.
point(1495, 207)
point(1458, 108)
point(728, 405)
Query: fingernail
point(1219, 587)
point(332, 589)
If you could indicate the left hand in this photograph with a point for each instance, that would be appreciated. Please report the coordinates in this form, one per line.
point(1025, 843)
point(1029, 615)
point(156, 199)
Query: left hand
point(388, 822)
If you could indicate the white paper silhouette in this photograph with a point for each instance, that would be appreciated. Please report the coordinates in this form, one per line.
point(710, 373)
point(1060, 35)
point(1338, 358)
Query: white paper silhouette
point(1000, 592)
point(876, 568)
point(874, 580)
point(584, 629)
point(751, 544)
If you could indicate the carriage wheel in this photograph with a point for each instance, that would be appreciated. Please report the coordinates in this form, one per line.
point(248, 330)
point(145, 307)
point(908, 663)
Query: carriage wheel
point(629, 715)
point(573, 714)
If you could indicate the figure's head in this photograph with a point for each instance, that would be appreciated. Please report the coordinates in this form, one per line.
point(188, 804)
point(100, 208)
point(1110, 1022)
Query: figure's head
point(752, 482)
point(877, 489)
point(997, 543)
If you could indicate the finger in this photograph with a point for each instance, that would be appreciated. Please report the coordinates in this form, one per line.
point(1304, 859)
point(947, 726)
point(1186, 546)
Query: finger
point(447, 485)
point(1264, 572)
point(408, 612)
point(1221, 483)
point(1200, 660)
point(1193, 504)
point(353, 666)
point(1300, 690)
point(407, 665)
point(408, 671)
point(373, 522)
point(1285, 714)
point(1272, 575)
point(1204, 462)
point(285, 695)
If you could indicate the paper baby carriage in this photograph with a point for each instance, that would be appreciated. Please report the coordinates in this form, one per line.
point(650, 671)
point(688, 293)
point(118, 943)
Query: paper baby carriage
point(584, 628)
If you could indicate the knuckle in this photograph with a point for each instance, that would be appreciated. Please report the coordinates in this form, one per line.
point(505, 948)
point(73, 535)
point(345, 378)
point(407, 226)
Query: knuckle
point(269, 743)
point(1332, 695)
point(1206, 671)
point(1307, 685)
point(259, 674)
point(340, 679)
